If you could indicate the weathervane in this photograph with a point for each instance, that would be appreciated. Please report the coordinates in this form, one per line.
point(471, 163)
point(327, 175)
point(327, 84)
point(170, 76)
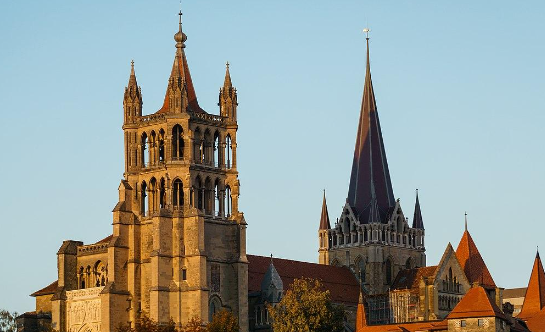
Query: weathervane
point(366, 31)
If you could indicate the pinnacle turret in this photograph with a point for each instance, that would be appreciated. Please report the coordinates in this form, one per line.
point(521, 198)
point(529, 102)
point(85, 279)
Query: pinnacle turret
point(132, 100)
point(417, 219)
point(228, 97)
point(324, 217)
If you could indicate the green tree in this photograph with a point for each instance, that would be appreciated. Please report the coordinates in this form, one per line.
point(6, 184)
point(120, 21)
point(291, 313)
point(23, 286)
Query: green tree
point(307, 307)
point(7, 321)
point(194, 325)
point(223, 321)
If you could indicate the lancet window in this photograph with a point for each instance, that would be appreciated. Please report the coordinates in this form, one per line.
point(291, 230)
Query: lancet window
point(177, 194)
point(177, 143)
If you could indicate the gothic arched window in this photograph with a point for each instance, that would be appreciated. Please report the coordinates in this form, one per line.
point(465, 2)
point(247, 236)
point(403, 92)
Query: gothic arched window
point(177, 194)
point(388, 268)
point(143, 147)
point(177, 143)
point(143, 200)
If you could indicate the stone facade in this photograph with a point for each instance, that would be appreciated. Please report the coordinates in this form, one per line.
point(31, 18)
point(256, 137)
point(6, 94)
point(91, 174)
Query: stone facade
point(178, 248)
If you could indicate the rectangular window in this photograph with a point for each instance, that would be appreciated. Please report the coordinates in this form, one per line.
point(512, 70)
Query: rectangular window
point(215, 278)
point(480, 322)
point(463, 323)
point(184, 274)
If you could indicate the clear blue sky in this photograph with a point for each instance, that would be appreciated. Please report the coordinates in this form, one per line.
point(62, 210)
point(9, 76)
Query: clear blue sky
point(459, 87)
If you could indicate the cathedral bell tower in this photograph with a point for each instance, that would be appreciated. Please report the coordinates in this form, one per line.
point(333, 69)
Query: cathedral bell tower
point(179, 242)
point(372, 236)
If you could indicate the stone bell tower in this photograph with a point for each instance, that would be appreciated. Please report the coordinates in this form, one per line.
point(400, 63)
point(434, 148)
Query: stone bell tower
point(372, 235)
point(179, 246)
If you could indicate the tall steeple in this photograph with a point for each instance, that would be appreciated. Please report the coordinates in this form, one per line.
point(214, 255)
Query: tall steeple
point(370, 185)
point(228, 97)
point(417, 219)
point(180, 95)
point(534, 300)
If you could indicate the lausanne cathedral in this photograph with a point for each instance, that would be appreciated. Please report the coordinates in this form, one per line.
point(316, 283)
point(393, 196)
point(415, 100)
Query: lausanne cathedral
point(178, 244)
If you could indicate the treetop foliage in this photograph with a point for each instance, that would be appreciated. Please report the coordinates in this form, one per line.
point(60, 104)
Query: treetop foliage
point(307, 307)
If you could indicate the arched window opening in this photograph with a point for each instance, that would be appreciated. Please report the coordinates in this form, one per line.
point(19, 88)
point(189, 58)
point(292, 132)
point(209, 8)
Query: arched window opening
point(199, 192)
point(228, 151)
point(214, 307)
point(162, 194)
point(388, 267)
point(81, 278)
point(409, 263)
point(216, 152)
point(144, 157)
point(178, 194)
point(161, 146)
point(207, 148)
point(229, 200)
point(153, 148)
point(197, 146)
point(143, 199)
point(217, 207)
point(153, 195)
point(208, 199)
point(88, 280)
point(177, 143)
point(99, 274)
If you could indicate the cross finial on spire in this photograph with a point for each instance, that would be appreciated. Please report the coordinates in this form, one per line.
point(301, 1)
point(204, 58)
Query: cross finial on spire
point(271, 258)
point(227, 64)
point(132, 67)
point(465, 215)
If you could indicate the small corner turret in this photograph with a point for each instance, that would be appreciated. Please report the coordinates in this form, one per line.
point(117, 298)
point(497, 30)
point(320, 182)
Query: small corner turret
point(228, 98)
point(132, 100)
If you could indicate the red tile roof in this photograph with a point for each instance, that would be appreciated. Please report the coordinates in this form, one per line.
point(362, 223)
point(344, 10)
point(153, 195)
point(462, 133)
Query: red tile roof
point(191, 95)
point(476, 303)
point(49, 289)
point(534, 300)
point(472, 262)
point(407, 327)
point(510, 293)
point(537, 322)
point(341, 283)
point(410, 279)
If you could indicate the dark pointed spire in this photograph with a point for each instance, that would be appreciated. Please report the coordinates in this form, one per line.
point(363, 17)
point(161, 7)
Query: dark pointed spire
point(271, 285)
point(180, 79)
point(324, 217)
point(370, 177)
point(417, 219)
point(227, 84)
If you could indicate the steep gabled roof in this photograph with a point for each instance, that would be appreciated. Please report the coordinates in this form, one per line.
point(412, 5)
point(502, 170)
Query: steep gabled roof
point(472, 262)
point(534, 300)
point(341, 283)
point(476, 303)
point(49, 289)
point(324, 217)
point(370, 192)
